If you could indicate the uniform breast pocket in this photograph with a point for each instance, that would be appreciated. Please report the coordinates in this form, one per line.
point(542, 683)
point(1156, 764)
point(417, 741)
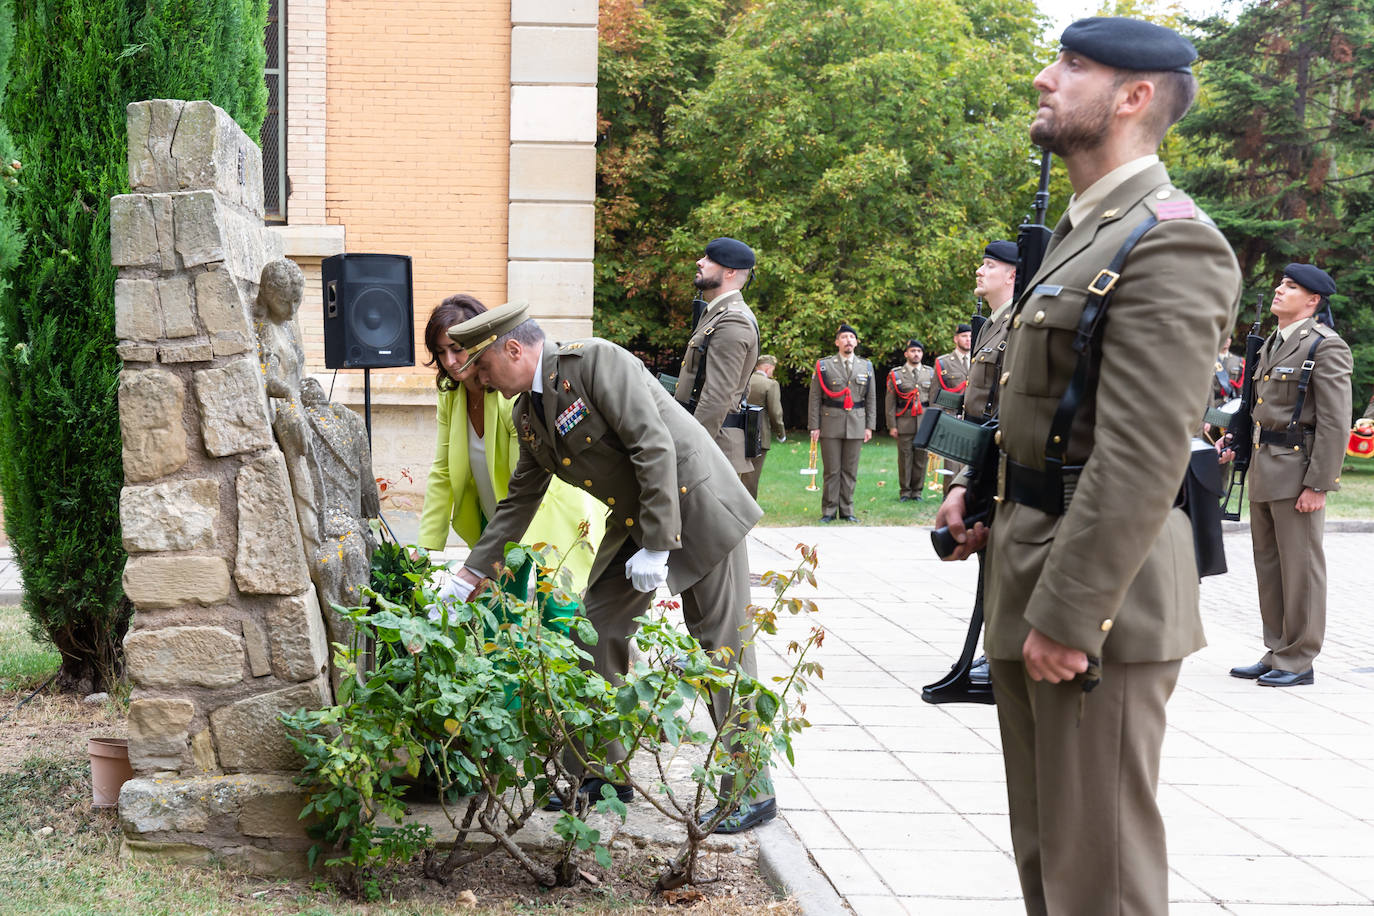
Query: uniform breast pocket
point(590, 431)
point(1040, 358)
point(983, 373)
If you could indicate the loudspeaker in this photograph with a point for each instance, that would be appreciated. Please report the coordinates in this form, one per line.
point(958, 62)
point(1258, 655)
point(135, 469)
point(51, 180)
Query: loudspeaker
point(368, 311)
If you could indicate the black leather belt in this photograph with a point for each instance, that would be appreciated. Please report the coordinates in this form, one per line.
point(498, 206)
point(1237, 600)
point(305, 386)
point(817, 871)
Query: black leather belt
point(1038, 489)
point(733, 420)
point(833, 402)
point(1289, 437)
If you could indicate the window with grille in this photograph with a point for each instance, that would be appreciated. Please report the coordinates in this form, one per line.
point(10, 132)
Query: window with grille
point(273, 140)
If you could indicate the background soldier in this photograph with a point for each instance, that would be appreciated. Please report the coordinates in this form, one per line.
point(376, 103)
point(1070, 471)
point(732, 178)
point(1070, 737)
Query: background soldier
point(764, 392)
point(589, 413)
point(1300, 444)
point(951, 371)
point(1096, 561)
point(1226, 380)
point(993, 281)
point(841, 411)
point(908, 391)
point(726, 342)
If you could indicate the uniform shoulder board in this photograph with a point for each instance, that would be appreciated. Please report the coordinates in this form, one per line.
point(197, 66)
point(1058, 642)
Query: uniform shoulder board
point(1171, 203)
point(572, 346)
point(1324, 329)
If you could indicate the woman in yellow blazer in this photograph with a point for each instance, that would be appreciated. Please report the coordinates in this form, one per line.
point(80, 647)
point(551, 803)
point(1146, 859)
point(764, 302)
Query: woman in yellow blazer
point(476, 452)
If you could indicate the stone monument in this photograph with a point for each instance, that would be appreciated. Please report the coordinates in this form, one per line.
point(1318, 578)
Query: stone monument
point(223, 520)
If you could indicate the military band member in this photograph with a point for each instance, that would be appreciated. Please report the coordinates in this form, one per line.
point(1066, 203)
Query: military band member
point(590, 414)
point(1226, 374)
point(1099, 562)
point(841, 412)
point(1301, 437)
point(908, 391)
point(764, 392)
point(993, 281)
point(726, 342)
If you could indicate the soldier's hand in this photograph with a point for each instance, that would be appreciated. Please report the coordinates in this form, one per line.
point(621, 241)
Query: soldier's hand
point(868, 434)
point(815, 435)
point(1310, 500)
point(1047, 660)
point(892, 431)
point(951, 515)
point(1225, 454)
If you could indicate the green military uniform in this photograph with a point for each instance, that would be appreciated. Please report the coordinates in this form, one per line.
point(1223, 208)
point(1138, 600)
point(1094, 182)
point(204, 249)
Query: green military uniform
point(841, 427)
point(727, 338)
point(1226, 378)
point(951, 376)
point(608, 427)
point(1290, 565)
point(1114, 575)
point(908, 392)
point(766, 393)
point(985, 366)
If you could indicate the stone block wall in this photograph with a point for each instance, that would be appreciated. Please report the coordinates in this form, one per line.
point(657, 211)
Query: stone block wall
point(227, 631)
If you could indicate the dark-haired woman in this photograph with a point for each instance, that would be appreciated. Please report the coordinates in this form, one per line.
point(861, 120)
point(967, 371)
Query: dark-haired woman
point(476, 452)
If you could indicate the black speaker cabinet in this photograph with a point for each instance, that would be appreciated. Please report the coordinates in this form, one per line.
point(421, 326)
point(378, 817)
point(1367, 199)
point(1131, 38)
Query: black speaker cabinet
point(368, 311)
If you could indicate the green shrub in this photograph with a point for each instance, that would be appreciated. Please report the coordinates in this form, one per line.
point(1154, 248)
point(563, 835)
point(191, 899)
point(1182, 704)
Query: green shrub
point(76, 65)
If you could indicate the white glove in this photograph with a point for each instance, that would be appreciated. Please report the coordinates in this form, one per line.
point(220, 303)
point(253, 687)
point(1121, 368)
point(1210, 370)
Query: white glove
point(455, 591)
point(647, 569)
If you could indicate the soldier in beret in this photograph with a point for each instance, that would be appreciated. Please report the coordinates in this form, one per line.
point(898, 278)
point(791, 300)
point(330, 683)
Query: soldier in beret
point(1302, 421)
point(766, 393)
point(993, 282)
point(1226, 374)
point(590, 414)
point(723, 348)
point(1089, 577)
point(841, 410)
point(951, 371)
point(908, 392)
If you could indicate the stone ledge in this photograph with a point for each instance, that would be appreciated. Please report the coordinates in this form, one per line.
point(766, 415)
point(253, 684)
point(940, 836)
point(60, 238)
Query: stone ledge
point(310, 241)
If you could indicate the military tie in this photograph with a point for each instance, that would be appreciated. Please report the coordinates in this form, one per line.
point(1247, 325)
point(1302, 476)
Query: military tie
point(537, 399)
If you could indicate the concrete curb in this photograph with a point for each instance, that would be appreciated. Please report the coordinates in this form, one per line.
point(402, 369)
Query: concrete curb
point(1334, 526)
point(787, 865)
point(11, 597)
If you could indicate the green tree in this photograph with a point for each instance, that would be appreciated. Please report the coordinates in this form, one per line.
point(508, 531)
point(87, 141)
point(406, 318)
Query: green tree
point(1281, 151)
point(77, 64)
point(867, 149)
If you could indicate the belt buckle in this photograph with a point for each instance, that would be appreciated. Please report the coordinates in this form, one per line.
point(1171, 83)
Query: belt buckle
point(1001, 478)
point(1307, 365)
point(1110, 276)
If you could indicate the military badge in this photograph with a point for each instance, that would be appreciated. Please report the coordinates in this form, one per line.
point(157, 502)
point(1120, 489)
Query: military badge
point(575, 414)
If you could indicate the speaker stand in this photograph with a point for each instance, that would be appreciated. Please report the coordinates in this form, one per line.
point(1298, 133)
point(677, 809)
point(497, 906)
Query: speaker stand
point(367, 406)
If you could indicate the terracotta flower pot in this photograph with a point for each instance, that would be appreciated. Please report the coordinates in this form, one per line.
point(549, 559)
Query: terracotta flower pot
point(110, 769)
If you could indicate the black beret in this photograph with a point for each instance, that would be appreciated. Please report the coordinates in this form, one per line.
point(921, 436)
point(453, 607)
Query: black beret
point(846, 329)
point(1129, 44)
point(913, 342)
point(1311, 278)
point(964, 329)
point(730, 253)
point(1001, 250)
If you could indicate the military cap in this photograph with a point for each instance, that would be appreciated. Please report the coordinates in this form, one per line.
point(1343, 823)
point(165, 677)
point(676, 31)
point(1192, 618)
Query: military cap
point(482, 330)
point(845, 329)
point(1001, 250)
point(964, 329)
point(1129, 44)
point(766, 360)
point(913, 342)
point(731, 253)
point(1311, 278)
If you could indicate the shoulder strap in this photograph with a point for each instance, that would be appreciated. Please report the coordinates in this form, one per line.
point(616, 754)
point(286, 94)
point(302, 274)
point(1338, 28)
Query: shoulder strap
point(1086, 344)
point(1303, 379)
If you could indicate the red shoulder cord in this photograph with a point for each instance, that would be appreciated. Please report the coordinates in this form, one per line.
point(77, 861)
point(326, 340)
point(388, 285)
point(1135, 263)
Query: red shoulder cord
point(911, 403)
point(940, 377)
point(848, 398)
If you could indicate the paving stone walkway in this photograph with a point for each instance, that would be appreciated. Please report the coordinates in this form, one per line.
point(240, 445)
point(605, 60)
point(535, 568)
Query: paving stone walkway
point(1267, 794)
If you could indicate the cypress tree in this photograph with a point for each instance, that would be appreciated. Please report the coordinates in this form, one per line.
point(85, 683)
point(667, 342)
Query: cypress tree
point(75, 65)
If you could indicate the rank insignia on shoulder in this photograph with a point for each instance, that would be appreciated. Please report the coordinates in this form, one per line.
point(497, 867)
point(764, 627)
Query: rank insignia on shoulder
point(1176, 209)
point(575, 414)
point(572, 346)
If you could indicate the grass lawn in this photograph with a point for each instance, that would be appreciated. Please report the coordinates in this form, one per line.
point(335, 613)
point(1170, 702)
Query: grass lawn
point(786, 501)
point(24, 664)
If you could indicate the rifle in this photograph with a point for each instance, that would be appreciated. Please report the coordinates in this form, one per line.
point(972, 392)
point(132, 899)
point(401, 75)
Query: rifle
point(1240, 430)
point(973, 445)
point(1033, 237)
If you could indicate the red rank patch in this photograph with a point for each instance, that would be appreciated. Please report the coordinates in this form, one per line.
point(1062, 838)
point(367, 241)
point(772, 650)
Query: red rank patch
point(1176, 209)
